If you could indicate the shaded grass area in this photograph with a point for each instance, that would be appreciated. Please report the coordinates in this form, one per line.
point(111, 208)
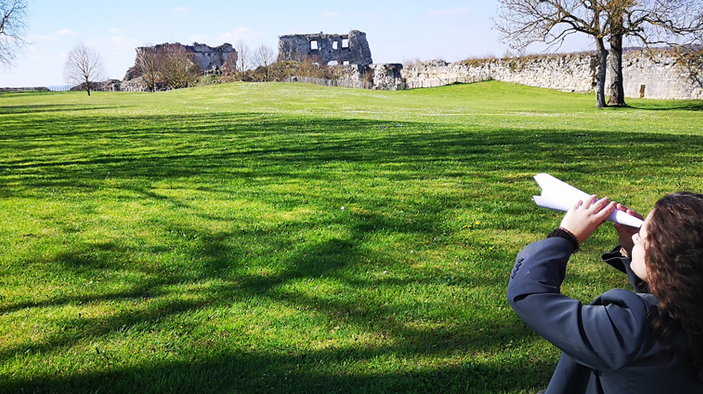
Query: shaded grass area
point(244, 238)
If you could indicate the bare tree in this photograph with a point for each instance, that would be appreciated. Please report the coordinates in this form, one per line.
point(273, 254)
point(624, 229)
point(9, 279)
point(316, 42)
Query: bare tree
point(149, 62)
point(12, 26)
point(649, 22)
point(230, 65)
point(264, 57)
point(83, 66)
point(177, 67)
point(690, 58)
point(617, 17)
point(243, 56)
point(523, 22)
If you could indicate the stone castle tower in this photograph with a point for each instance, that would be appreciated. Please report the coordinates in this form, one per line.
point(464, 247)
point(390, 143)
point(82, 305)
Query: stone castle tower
point(352, 48)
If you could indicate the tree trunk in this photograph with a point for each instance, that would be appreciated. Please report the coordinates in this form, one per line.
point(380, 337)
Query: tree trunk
point(617, 90)
point(602, 59)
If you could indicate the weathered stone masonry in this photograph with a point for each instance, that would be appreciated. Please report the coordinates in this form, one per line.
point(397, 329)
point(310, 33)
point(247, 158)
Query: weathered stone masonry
point(655, 76)
point(344, 49)
point(206, 57)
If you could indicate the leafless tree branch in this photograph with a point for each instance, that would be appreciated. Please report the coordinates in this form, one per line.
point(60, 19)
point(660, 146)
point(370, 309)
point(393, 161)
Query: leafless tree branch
point(83, 67)
point(12, 27)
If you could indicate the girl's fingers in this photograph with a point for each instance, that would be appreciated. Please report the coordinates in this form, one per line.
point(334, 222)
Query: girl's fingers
point(606, 211)
point(577, 204)
point(629, 211)
point(597, 206)
point(589, 201)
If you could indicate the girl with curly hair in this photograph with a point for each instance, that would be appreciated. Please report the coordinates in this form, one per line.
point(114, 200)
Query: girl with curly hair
point(646, 341)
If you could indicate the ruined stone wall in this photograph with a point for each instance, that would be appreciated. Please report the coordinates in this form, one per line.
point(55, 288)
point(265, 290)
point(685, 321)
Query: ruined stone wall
point(661, 77)
point(345, 49)
point(206, 57)
point(571, 72)
point(21, 90)
point(658, 76)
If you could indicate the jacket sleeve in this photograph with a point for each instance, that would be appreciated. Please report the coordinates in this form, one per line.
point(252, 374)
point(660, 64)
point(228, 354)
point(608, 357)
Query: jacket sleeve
point(604, 336)
point(621, 263)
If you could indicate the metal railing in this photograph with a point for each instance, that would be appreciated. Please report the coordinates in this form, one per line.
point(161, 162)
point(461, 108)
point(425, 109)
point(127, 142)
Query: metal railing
point(405, 85)
point(437, 82)
point(343, 83)
point(63, 88)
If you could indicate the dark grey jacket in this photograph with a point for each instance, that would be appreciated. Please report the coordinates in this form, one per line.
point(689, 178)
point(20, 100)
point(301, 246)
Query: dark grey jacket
point(606, 346)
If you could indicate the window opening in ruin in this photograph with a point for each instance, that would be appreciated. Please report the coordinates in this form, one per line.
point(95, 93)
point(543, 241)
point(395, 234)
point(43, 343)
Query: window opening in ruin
point(346, 62)
point(313, 45)
point(334, 45)
point(345, 43)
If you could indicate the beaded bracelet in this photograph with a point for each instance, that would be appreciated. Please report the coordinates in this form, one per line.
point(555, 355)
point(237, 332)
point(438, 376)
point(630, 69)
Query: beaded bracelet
point(561, 232)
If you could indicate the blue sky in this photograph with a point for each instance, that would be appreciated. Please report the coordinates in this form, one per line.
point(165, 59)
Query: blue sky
point(397, 31)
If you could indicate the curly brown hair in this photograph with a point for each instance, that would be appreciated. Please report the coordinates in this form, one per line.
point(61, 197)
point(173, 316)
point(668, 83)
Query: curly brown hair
point(674, 258)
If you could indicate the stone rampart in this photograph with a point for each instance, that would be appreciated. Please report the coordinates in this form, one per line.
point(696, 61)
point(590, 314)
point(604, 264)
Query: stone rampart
point(572, 72)
point(21, 90)
point(654, 75)
point(657, 76)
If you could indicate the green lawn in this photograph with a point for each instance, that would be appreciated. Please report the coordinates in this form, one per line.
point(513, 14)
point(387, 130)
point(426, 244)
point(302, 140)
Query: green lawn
point(292, 238)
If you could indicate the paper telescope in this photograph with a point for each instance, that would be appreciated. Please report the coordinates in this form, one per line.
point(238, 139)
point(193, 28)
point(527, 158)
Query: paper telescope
point(561, 196)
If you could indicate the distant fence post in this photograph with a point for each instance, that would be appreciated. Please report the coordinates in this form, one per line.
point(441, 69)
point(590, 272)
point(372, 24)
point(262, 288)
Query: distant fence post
point(399, 84)
point(20, 90)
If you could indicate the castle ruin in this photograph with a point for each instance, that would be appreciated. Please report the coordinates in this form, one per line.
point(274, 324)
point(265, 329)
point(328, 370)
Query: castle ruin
point(206, 57)
point(209, 58)
point(344, 49)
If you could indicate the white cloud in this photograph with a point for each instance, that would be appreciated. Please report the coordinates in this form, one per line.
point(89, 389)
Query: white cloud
point(123, 43)
point(114, 44)
point(239, 34)
point(180, 9)
point(454, 11)
point(330, 14)
point(58, 35)
point(198, 38)
point(66, 33)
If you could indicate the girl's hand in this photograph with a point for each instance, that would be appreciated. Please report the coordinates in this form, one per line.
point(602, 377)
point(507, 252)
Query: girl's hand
point(625, 233)
point(585, 216)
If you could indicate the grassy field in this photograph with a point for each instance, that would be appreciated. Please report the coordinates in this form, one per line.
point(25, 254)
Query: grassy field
point(290, 238)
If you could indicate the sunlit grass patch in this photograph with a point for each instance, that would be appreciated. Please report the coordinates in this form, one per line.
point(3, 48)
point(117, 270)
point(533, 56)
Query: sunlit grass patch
point(293, 238)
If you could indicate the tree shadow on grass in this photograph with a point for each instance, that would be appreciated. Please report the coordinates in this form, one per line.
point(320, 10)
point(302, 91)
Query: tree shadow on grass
point(44, 108)
point(681, 105)
point(299, 370)
point(203, 151)
point(253, 147)
point(295, 373)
